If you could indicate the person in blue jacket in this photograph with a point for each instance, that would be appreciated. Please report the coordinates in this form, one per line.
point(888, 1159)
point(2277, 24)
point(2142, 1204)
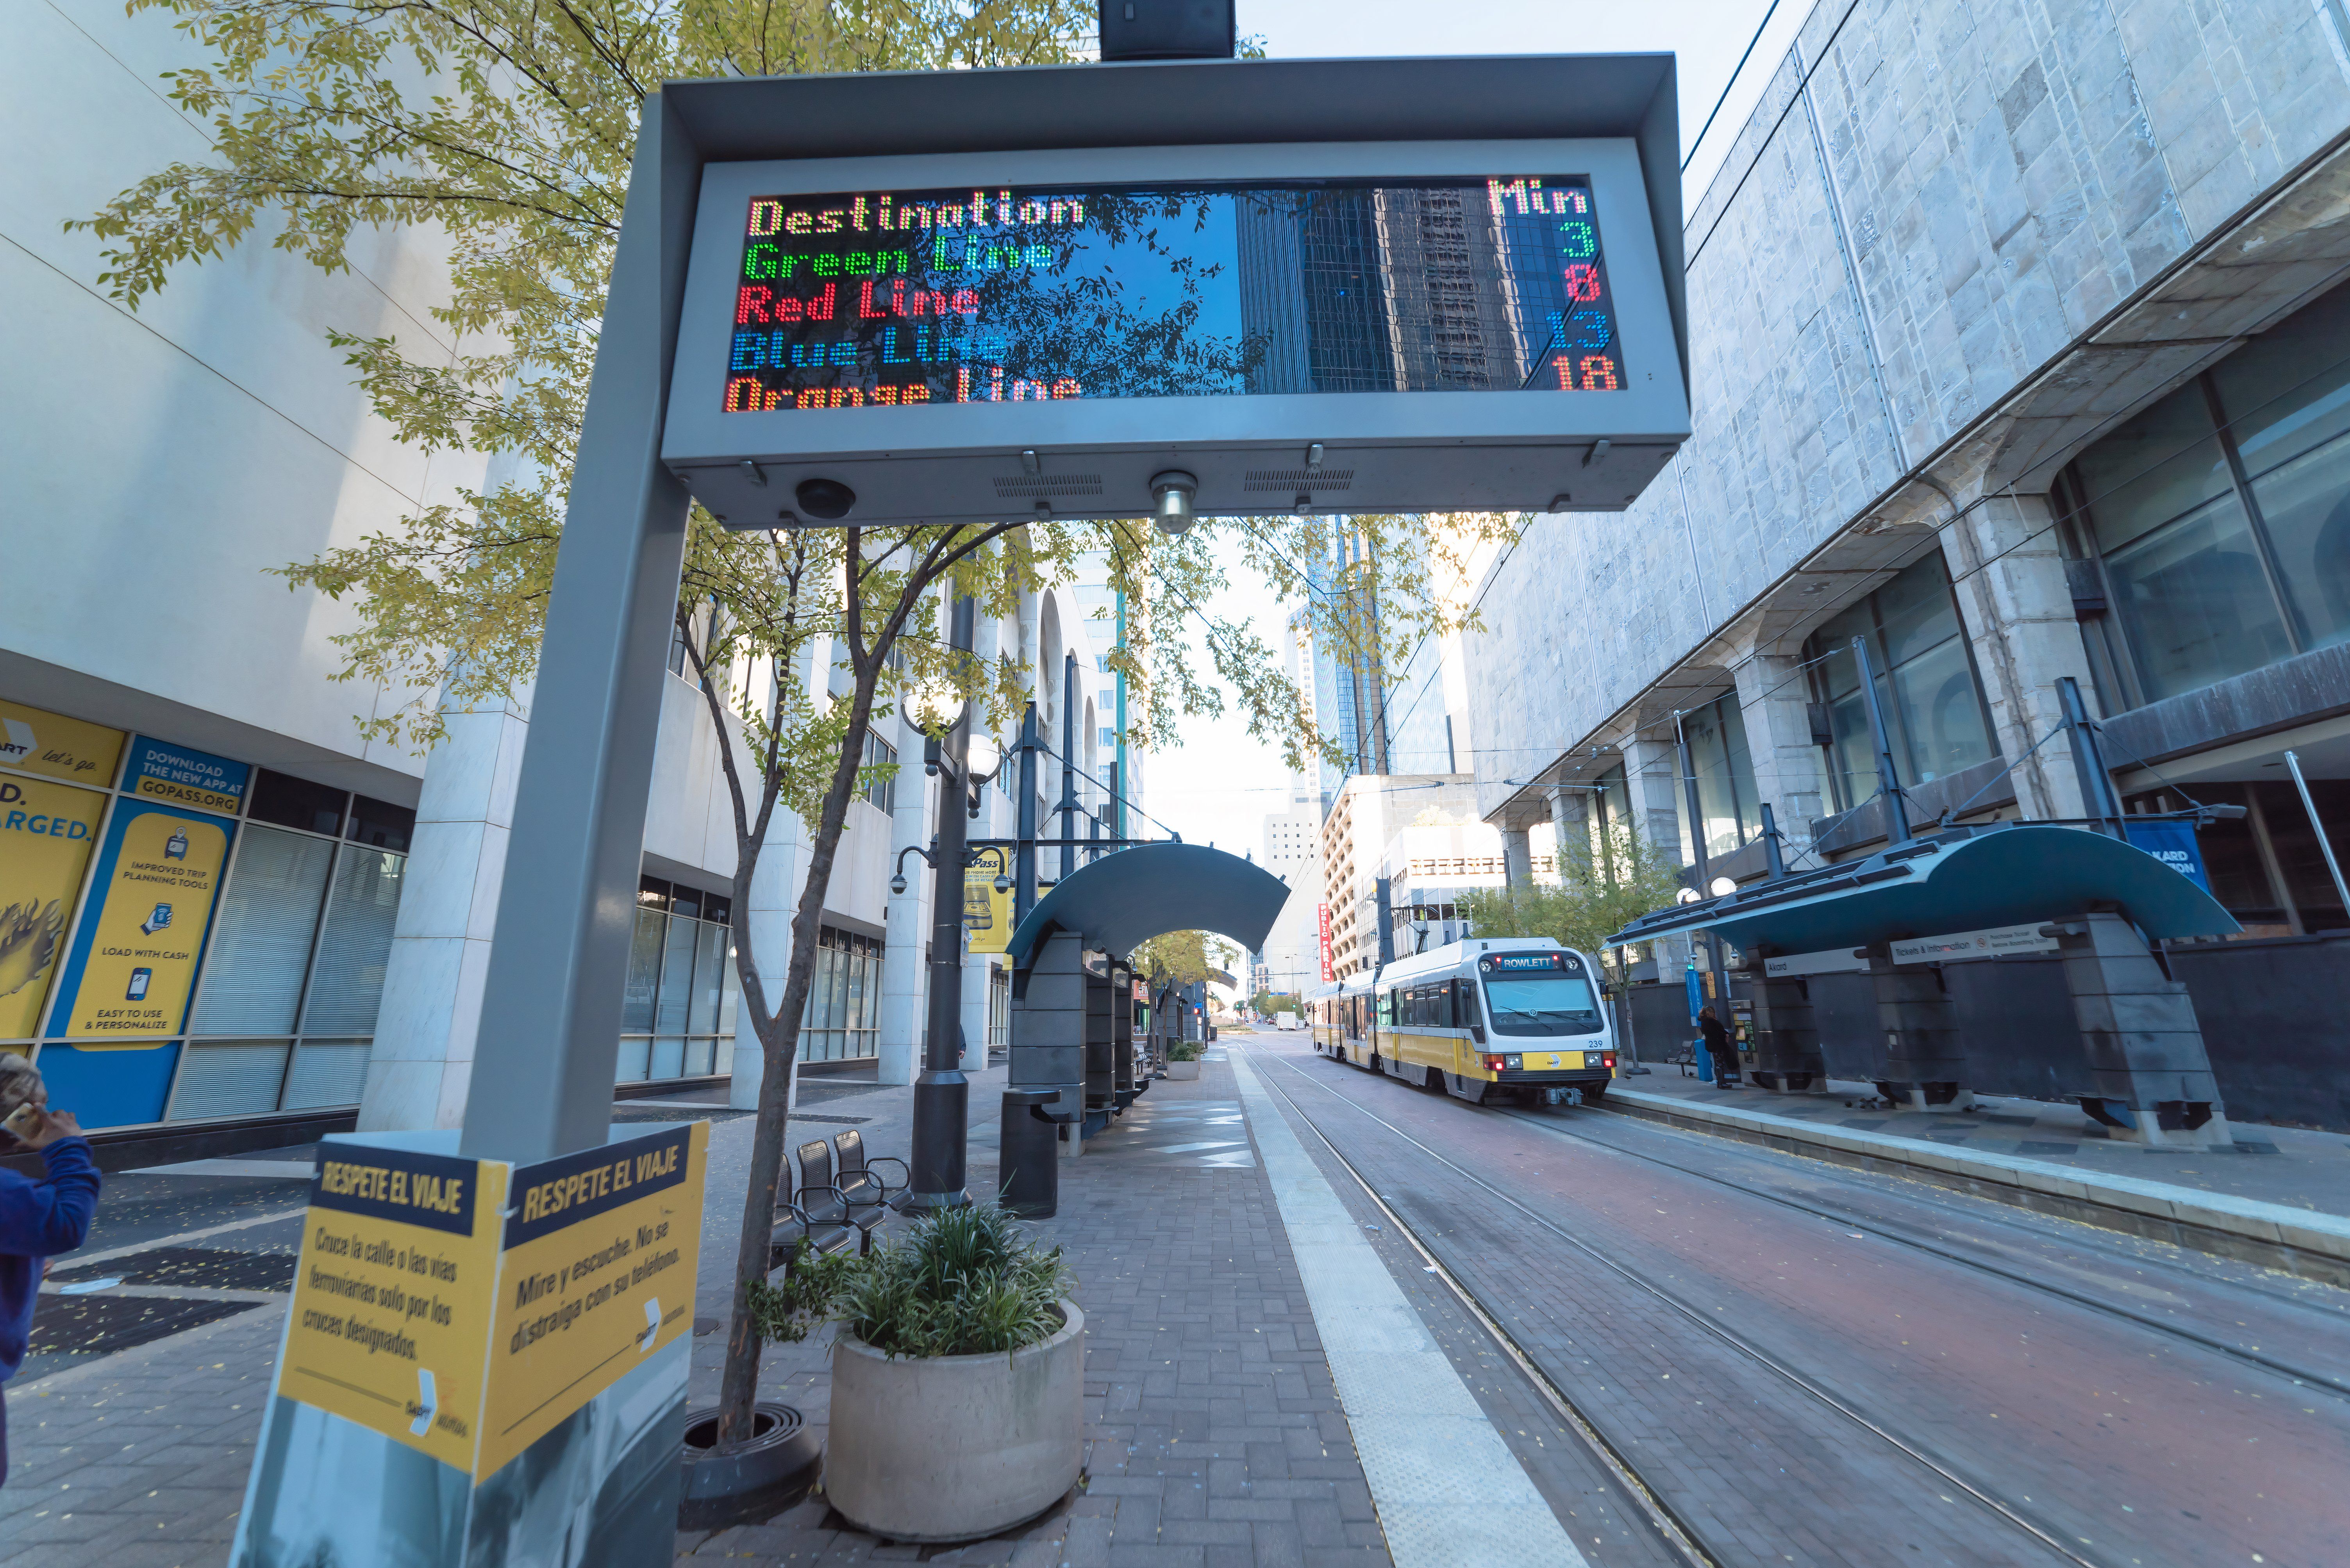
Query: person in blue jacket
point(38, 1220)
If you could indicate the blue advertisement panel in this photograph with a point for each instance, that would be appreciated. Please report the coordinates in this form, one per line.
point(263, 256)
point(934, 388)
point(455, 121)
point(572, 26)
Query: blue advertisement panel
point(185, 776)
point(2173, 843)
point(133, 964)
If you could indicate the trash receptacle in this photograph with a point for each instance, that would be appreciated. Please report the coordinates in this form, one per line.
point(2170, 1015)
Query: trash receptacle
point(1029, 1171)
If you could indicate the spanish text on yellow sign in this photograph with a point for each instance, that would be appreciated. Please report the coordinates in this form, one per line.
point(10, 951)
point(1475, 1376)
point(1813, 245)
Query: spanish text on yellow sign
point(466, 1308)
point(986, 913)
point(391, 1307)
point(46, 832)
point(601, 1253)
point(136, 961)
point(37, 742)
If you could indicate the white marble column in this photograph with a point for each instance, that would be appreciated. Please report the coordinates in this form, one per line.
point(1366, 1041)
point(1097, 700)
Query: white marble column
point(421, 1062)
point(1773, 697)
point(905, 980)
point(1652, 774)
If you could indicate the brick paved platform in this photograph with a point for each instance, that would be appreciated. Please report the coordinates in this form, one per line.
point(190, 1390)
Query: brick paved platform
point(1214, 1436)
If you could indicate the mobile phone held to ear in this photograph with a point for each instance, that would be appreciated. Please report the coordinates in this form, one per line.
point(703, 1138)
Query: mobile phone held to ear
point(23, 1122)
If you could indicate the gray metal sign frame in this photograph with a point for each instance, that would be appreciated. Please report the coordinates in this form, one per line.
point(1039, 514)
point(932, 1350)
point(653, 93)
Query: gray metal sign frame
point(549, 1037)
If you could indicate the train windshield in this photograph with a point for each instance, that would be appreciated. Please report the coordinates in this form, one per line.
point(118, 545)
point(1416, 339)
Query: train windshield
point(1541, 1002)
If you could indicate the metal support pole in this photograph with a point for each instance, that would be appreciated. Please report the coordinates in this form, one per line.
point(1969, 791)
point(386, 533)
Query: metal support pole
point(2097, 797)
point(1896, 807)
point(1773, 851)
point(1023, 875)
point(2325, 847)
point(550, 1021)
point(1069, 807)
point(1381, 887)
point(942, 1094)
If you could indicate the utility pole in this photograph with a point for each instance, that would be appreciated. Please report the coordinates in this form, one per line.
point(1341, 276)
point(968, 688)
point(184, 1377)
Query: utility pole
point(942, 1094)
point(1023, 875)
point(1069, 807)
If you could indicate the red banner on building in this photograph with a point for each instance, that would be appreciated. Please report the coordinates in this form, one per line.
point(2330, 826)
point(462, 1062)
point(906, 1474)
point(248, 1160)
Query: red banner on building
point(1328, 975)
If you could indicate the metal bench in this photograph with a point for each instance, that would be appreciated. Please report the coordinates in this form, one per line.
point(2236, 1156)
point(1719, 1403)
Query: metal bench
point(860, 1185)
point(794, 1224)
point(821, 1198)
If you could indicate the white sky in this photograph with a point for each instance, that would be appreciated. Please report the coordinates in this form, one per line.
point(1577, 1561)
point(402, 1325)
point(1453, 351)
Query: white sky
point(1218, 785)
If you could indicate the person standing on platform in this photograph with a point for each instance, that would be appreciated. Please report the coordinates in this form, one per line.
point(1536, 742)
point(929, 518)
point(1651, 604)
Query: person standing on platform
point(1717, 1046)
point(38, 1220)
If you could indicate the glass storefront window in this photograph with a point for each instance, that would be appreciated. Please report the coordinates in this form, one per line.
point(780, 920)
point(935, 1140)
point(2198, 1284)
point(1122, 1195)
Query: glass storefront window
point(676, 976)
point(682, 983)
point(2220, 515)
point(644, 973)
point(347, 984)
point(326, 1072)
point(1926, 683)
point(2195, 601)
point(1726, 795)
point(261, 946)
point(230, 1078)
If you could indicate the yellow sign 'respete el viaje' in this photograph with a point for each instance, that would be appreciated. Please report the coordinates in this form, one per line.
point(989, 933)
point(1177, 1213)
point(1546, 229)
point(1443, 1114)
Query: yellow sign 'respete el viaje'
point(986, 913)
point(393, 1303)
point(601, 1253)
point(466, 1308)
point(135, 962)
point(46, 832)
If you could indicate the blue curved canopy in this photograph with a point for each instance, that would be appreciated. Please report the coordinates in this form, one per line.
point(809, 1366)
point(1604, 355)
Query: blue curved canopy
point(1153, 889)
point(1996, 876)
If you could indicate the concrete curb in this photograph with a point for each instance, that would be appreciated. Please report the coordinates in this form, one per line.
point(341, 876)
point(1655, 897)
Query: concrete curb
point(2299, 1241)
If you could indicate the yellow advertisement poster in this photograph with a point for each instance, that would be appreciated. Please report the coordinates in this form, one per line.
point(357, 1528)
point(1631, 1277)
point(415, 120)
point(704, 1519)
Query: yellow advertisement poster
point(37, 742)
point(602, 1250)
point(135, 960)
point(986, 913)
point(391, 1308)
point(46, 832)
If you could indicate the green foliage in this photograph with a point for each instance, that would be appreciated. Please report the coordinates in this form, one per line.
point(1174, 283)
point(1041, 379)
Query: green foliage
point(963, 1281)
point(1268, 1003)
point(1600, 891)
point(1183, 956)
point(788, 1311)
point(1184, 1049)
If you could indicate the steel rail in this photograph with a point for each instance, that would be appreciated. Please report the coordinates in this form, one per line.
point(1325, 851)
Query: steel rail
point(1755, 1353)
point(2301, 1377)
point(1661, 1516)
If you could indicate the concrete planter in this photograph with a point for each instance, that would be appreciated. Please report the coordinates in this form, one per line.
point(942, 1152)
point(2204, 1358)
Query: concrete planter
point(955, 1448)
point(1183, 1072)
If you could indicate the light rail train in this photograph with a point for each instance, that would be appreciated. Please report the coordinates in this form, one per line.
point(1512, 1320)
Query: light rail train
point(1484, 1020)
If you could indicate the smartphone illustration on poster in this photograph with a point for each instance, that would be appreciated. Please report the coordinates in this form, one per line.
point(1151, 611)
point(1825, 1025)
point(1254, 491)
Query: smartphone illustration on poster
point(139, 980)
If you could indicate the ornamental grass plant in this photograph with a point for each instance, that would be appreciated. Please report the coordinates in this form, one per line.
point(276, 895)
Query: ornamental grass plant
point(963, 1282)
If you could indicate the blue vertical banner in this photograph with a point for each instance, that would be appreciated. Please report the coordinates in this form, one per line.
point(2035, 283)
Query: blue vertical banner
point(2173, 843)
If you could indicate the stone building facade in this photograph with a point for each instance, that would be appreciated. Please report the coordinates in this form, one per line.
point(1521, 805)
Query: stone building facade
point(2014, 352)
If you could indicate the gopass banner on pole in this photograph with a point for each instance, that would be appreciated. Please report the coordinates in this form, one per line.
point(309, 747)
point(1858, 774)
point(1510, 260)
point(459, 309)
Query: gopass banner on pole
point(483, 1362)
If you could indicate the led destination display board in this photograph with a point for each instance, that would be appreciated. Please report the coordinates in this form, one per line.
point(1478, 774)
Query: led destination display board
point(1399, 317)
point(893, 298)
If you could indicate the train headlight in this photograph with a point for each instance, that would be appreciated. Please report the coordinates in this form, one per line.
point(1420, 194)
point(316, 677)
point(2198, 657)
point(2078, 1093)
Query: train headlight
point(1510, 1064)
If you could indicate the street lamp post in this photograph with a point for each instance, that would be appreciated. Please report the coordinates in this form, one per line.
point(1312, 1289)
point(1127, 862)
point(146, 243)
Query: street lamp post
point(942, 1094)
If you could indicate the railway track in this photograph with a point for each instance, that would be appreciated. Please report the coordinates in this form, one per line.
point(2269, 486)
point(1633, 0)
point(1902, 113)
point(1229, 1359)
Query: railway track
point(1651, 1497)
point(2334, 1382)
